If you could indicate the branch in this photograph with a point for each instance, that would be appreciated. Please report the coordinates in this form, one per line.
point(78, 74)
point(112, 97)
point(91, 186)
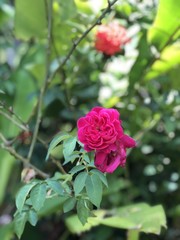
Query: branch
point(42, 91)
point(48, 78)
point(25, 127)
point(12, 151)
point(18, 122)
point(13, 121)
point(77, 42)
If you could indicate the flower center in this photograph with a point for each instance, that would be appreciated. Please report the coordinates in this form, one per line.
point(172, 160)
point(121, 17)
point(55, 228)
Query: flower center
point(98, 128)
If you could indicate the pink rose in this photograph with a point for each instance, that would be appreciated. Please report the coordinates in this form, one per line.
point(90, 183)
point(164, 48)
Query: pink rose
point(110, 38)
point(108, 162)
point(101, 130)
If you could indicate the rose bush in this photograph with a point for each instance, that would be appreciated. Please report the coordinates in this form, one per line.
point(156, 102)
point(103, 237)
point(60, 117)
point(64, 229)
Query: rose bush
point(100, 130)
point(110, 38)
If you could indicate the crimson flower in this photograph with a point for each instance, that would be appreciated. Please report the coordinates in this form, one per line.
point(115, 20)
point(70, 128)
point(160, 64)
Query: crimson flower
point(100, 130)
point(110, 38)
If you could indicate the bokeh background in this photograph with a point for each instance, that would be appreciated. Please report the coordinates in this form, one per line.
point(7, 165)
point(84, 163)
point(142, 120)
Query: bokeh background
point(142, 82)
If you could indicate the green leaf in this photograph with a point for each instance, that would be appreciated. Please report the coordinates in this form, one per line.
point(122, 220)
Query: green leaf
point(71, 158)
point(133, 235)
point(56, 140)
point(86, 158)
point(52, 205)
point(169, 58)
point(94, 189)
point(82, 211)
point(32, 217)
point(19, 223)
point(69, 204)
point(138, 216)
point(30, 19)
point(67, 9)
point(77, 169)
point(38, 196)
point(75, 226)
point(55, 186)
point(68, 147)
point(138, 69)
point(141, 217)
point(166, 23)
point(79, 182)
point(22, 195)
point(101, 176)
point(84, 6)
point(57, 176)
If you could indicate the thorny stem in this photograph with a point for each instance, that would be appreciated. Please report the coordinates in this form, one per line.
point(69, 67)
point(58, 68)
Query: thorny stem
point(42, 91)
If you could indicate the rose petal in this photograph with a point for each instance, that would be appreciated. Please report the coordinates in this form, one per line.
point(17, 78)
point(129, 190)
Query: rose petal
point(87, 148)
point(113, 163)
point(81, 122)
point(107, 162)
point(128, 142)
point(97, 109)
point(100, 157)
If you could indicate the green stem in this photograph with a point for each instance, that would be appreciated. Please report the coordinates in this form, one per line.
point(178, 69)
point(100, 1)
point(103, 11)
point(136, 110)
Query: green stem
point(78, 41)
point(133, 235)
point(44, 86)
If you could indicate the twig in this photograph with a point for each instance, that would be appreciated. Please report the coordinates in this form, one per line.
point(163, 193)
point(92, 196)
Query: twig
point(58, 164)
point(77, 42)
point(25, 128)
point(22, 125)
point(48, 78)
point(42, 91)
point(13, 121)
point(12, 151)
point(3, 139)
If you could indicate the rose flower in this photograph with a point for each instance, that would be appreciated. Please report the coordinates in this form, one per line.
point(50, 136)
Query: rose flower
point(100, 130)
point(110, 38)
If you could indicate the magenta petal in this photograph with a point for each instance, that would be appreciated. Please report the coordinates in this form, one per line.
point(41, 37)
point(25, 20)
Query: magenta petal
point(122, 153)
point(87, 148)
point(109, 162)
point(81, 122)
point(81, 135)
point(99, 158)
point(114, 114)
point(128, 142)
point(114, 163)
point(97, 109)
point(112, 147)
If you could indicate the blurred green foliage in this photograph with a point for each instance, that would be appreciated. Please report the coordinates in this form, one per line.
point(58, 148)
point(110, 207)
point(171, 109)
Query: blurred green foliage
point(142, 82)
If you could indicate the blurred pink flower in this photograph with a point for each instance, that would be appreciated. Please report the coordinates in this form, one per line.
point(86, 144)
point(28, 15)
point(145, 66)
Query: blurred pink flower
point(110, 38)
